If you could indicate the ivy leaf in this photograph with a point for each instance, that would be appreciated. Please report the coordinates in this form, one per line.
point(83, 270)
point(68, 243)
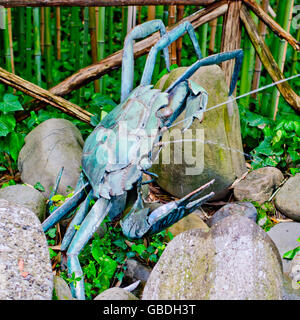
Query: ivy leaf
point(10, 104)
point(38, 186)
point(140, 248)
point(291, 254)
point(7, 124)
point(15, 142)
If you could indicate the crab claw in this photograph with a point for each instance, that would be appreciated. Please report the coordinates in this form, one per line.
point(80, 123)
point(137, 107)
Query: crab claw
point(139, 223)
point(195, 105)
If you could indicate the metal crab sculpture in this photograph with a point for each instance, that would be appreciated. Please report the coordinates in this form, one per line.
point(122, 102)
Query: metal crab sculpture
point(114, 159)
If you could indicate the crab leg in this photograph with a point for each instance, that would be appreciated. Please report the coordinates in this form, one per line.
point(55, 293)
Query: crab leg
point(88, 227)
point(164, 42)
point(214, 59)
point(79, 216)
point(66, 208)
point(139, 32)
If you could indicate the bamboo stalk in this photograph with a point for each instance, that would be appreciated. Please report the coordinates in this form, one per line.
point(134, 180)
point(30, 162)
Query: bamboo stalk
point(172, 47)
point(7, 51)
point(247, 67)
point(295, 56)
point(268, 61)
point(98, 3)
point(21, 37)
point(37, 46)
point(281, 47)
point(58, 34)
point(203, 33)
point(101, 41)
point(219, 34)
point(92, 28)
point(124, 22)
point(151, 13)
point(262, 28)
point(9, 25)
point(42, 30)
point(84, 57)
point(110, 29)
point(43, 95)
point(213, 24)
point(28, 42)
point(180, 14)
point(48, 47)
point(92, 72)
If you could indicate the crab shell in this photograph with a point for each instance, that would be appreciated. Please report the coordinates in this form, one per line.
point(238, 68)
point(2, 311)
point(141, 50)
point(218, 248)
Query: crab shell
point(119, 148)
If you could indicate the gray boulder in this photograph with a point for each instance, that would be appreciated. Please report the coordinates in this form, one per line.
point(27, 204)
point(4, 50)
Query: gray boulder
point(25, 267)
point(285, 237)
point(62, 289)
point(116, 294)
point(287, 199)
point(54, 144)
point(235, 260)
point(246, 209)
point(26, 196)
point(217, 152)
point(258, 185)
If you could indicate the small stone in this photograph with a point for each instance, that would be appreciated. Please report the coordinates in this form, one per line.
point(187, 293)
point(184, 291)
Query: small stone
point(116, 294)
point(246, 209)
point(287, 200)
point(192, 221)
point(258, 185)
point(26, 196)
point(25, 267)
point(285, 235)
point(294, 272)
point(53, 144)
point(62, 289)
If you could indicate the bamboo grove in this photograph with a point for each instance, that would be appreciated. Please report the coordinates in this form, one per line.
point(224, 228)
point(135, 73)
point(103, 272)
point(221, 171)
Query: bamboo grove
point(46, 45)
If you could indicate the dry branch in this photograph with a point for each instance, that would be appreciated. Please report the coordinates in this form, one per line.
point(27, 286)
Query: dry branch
point(44, 95)
point(98, 3)
point(95, 71)
point(268, 61)
point(272, 24)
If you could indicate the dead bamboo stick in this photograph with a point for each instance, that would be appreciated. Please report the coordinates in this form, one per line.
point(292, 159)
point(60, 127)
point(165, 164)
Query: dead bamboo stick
point(268, 61)
point(212, 41)
point(262, 29)
point(98, 3)
point(231, 36)
point(272, 24)
point(172, 47)
point(95, 71)
point(180, 14)
point(43, 95)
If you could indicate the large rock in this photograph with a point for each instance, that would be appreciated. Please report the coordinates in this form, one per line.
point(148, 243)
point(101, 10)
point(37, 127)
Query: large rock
point(246, 209)
point(287, 199)
point(116, 294)
point(54, 144)
point(27, 197)
point(258, 185)
point(25, 268)
point(62, 289)
point(285, 237)
point(217, 153)
point(235, 260)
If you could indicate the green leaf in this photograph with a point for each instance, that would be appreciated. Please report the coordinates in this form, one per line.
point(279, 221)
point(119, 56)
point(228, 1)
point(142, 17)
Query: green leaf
point(15, 142)
point(38, 186)
point(10, 104)
point(120, 243)
point(7, 124)
point(291, 254)
point(3, 169)
point(140, 248)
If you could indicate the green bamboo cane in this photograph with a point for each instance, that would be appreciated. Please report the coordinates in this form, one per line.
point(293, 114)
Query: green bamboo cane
point(37, 45)
point(21, 36)
point(6, 42)
point(247, 67)
point(28, 43)
point(110, 19)
point(92, 30)
point(203, 32)
point(219, 33)
point(159, 12)
point(124, 22)
point(280, 52)
point(84, 58)
point(101, 42)
point(48, 47)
